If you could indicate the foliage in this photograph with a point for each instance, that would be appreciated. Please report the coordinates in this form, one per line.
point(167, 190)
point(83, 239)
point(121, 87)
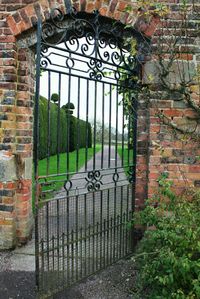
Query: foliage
point(169, 253)
point(78, 132)
point(69, 107)
point(54, 97)
point(59, 142)
point(172, 46)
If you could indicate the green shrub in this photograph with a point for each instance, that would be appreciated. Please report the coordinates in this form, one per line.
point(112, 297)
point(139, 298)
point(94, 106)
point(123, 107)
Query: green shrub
point(169, 253)
point(81, 135)
point(75, 127)
point(44, 128)
point(55, 98)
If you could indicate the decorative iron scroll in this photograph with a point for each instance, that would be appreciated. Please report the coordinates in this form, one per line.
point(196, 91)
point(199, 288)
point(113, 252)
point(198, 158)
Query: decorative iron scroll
point(68, 185)
point(103, 45)
point(131, 174)
point(93, 180)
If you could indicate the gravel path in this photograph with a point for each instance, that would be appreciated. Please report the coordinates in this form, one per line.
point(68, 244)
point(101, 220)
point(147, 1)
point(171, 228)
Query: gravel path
point(115, 282)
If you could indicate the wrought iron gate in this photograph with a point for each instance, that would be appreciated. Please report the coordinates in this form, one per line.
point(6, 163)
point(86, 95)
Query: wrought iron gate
point(84, 146)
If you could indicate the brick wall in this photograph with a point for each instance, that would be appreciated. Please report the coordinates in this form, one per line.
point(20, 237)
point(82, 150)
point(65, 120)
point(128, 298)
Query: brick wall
point(169, 151)
point(16, 117)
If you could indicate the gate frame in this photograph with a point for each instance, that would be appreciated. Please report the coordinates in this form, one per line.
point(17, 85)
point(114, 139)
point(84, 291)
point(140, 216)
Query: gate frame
point(36, 134)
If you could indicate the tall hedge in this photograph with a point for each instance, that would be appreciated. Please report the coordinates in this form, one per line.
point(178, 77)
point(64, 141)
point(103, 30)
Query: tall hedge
point(77, 130)
point(80, 134)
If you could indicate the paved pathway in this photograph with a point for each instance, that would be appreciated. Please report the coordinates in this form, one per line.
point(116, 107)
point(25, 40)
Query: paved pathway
point(90, 201)
point(81, 181)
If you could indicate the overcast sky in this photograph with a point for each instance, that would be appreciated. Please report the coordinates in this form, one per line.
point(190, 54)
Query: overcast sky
point(50, 84)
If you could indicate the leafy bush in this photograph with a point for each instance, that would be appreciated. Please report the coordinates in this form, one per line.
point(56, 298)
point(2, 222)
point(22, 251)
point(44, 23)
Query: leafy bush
point(169, 253)
point(77, 130)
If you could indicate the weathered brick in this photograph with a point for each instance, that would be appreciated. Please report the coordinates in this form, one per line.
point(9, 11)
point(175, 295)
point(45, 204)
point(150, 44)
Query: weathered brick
point(6, 208)
point(17, 113)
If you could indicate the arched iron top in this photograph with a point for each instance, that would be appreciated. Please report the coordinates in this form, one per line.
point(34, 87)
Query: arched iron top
point(105, 43)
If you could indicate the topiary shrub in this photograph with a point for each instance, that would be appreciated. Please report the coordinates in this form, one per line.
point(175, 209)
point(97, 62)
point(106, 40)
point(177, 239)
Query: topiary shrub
point(168, 256)
point(69, 107)
point(54, 98)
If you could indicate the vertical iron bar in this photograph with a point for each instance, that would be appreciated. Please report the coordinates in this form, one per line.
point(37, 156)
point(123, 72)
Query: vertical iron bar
point(116, 164)
point(87, 133)
point(53, 252)
point(36, 147)
point(68, 247)
point(101, 226)
point(77, 227)
point(114, 220)
point(124, 233)
point(102, 140)
point(81, 252)
point(58, 238)
point(123, 124)
point(111, 240)
point(104, 243)
point(78, 128)
point(95, 115)
point(72, 256)
point(116, 137)
point(110, 118)
point(97, 246)
point(47, 232)
point(118, 238)
point(108, 200)
point(129, 139)
point(42, 266)
point(49, 122)
point(85, 228)
point(67, 170)
point(135, 108)
point(58, 124)
point(127, 214)
point(93, 231)
point(89, 241)
point(63, 258)
point(68, 121)
point(121, 213)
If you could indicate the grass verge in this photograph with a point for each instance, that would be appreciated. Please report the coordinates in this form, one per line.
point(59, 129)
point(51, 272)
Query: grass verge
point(56, 182)
point(126, 156)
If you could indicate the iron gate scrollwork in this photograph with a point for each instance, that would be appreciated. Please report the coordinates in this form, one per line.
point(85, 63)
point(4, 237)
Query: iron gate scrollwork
point(83, 203)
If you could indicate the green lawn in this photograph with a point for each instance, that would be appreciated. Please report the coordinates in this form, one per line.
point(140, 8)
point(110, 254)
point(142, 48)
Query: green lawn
point(56, 181)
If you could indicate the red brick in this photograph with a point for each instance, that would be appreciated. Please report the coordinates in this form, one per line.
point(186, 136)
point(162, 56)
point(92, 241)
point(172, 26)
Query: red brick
point(7, 39)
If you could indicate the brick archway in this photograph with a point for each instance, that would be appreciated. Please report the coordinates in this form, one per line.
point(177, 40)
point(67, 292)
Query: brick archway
point(17, 70)
point(16, 217)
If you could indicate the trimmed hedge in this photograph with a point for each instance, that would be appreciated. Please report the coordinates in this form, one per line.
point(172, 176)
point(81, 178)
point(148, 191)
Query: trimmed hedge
point(77, 130)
